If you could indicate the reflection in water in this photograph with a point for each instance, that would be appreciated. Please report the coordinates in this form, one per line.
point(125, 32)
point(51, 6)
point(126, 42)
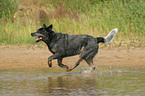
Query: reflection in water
point(68, 84)
point(41, 82)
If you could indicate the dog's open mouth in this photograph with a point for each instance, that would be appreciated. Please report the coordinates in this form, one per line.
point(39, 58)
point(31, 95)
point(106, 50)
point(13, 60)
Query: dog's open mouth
point(38, 35)
point(38, 39)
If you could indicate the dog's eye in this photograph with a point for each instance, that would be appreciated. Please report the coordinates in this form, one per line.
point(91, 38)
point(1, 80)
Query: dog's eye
point(43, 30)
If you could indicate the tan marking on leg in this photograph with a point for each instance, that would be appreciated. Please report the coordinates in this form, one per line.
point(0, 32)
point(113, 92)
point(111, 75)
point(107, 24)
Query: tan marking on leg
point(53, 50)
point(76, 64)
point(82, 49)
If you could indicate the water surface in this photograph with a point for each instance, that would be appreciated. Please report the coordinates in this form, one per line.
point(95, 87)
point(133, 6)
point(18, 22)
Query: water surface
point(41, 82)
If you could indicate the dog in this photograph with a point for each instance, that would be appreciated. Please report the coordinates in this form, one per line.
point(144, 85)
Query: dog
point(65, 45)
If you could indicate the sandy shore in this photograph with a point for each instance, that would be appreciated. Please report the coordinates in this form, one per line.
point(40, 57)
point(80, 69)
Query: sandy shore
point(13, 57)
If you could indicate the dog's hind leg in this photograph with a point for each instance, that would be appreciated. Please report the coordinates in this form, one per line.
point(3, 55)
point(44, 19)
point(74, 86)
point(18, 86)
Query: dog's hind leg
point(76, 64)
point(88, 55)
point(60, 63)
point(90, 63)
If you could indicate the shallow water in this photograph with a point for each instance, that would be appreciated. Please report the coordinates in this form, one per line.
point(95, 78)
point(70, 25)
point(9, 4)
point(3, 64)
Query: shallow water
point(41, 82)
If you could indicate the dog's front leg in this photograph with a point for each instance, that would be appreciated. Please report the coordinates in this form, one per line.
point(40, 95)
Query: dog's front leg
point(55, 56)
point(59, 60)
point(50, 63)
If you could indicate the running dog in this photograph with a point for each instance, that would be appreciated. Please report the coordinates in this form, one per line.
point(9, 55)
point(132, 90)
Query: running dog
point(65, 45)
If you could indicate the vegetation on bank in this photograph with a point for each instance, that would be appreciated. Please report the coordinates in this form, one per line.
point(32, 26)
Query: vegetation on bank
point(18, 18)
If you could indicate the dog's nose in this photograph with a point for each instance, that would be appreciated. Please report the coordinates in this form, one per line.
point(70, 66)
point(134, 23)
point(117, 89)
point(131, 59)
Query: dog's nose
point(32, 34)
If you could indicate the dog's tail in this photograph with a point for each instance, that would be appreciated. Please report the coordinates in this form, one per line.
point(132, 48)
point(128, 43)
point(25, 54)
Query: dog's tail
point(108, 38)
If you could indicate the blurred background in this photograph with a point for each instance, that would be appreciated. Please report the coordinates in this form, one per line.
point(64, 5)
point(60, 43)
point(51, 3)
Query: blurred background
point(18, 18)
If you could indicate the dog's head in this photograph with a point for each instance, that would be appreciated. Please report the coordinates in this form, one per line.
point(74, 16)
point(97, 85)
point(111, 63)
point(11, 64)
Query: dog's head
point(43, 33)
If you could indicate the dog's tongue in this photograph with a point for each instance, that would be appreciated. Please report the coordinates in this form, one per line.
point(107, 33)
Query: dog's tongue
point(39, 38)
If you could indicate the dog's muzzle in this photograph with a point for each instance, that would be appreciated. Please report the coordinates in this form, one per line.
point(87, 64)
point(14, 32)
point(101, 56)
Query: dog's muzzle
point(38, 35)
point(32, 34)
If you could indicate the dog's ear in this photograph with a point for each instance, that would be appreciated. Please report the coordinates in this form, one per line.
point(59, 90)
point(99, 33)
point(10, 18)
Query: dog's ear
point(49, 28)
point(44, 25)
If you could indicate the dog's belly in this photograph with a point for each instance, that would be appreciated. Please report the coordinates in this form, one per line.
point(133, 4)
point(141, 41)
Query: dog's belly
point(71, 52)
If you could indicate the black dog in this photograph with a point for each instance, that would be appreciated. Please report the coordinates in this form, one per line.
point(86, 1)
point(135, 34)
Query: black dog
point(64, 45)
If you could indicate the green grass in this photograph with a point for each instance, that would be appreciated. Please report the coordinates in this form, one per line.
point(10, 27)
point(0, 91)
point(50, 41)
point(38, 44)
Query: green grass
point(93, 17)
point(8, 8)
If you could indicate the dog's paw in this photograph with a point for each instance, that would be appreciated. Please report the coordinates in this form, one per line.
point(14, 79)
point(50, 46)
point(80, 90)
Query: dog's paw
point(49, 63)
point(68, 70)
